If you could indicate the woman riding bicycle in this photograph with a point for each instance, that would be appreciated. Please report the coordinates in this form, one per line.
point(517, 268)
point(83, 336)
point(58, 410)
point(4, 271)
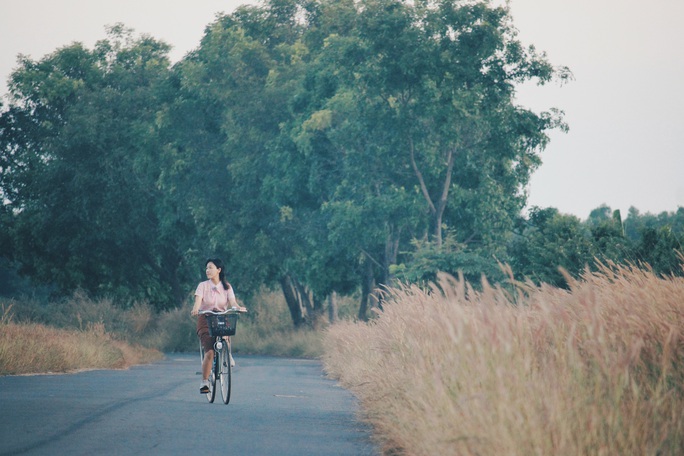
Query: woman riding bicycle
point(212, 294)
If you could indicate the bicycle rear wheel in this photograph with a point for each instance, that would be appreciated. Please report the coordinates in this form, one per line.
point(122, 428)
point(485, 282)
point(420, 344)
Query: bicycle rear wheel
point(224, 365)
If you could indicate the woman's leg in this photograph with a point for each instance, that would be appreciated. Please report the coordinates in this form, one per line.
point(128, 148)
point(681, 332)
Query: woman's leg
point(207, 344)
point(206, 363)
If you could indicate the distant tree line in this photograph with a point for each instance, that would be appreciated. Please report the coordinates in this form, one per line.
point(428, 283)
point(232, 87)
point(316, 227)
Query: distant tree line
point(319, 146)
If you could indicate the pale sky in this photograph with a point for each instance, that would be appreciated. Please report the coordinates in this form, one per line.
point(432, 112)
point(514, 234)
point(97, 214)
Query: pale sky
point(625, 107)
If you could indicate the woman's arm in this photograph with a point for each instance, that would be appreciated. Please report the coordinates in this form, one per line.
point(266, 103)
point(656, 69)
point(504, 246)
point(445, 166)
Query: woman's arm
point(233, 302)
point(198, 303)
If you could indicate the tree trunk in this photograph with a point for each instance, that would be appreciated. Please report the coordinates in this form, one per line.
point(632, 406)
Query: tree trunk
point(178, 295)
point(318, 312)
point(172, 263)
point(367, 286)
point(391, 253)
point(305, 300)
point(312, 306)
point(293, 300)
point(332, 307)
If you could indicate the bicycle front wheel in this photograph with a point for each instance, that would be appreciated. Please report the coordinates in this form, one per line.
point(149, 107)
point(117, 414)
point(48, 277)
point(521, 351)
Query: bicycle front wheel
point(225, 373)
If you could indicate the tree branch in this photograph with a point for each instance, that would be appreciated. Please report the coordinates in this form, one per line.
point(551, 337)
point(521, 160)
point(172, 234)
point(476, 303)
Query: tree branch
point(370, 257)
point(447, 181)
point(419, 175)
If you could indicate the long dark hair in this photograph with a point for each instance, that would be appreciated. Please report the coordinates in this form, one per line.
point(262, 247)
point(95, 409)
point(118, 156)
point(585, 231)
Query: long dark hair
point(222, 274)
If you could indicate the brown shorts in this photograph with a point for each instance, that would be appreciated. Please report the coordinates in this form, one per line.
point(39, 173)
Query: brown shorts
point(203, 333)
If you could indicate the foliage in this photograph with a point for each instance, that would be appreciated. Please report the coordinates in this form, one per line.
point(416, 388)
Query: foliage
point(548, 241)
point(364, 125)
point(428, 260)
point(413, 103)
point(321, 146)
point(636, 223)
point(81, 167)
point(662, 250)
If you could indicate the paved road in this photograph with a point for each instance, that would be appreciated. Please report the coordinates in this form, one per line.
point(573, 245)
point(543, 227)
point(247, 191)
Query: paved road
point(278, 407)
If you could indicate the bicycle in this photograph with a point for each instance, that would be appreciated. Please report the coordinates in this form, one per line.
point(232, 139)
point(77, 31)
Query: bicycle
point(221, 324)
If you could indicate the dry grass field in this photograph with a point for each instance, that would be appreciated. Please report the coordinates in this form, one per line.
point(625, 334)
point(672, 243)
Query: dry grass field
point(36, 348)
point(594, 370)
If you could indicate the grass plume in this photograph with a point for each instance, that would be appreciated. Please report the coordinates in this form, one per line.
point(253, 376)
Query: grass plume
point(595, 369)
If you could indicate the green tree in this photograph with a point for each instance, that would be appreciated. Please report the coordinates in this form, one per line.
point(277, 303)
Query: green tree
point(312, 144)
point(81, 181)
point(243, 180)
point(658, 239)
point(609, 240)
point(547, 241)
point(637, 222)
point(444, 74)
point(415, 103)
point(661, 249)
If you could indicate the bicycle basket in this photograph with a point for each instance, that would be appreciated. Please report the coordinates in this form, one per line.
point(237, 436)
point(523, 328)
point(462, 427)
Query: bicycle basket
point(222, 325)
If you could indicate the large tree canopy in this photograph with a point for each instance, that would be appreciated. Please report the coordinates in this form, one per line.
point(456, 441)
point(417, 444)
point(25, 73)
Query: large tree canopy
point(317, 145)
point(335, 133)
point(413, 103)
point(80, 169)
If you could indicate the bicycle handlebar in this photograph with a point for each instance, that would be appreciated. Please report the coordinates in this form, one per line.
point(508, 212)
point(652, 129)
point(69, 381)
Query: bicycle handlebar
point(222, 312)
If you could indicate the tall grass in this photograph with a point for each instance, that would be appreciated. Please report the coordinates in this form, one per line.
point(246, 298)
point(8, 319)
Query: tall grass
point(267, 330)
point(593, 370)
point(71, 328)
point(36, 348)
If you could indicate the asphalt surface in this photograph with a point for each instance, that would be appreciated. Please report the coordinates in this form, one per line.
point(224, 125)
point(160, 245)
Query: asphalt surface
point(277, 407)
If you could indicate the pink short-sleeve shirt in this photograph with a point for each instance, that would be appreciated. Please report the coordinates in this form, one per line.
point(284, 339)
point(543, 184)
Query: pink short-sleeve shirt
point(214, 296)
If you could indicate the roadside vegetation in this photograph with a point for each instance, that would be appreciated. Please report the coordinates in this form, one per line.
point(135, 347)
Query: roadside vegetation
point(450, 368)
point(593, 369)
point(30, 348)
point(38, 335)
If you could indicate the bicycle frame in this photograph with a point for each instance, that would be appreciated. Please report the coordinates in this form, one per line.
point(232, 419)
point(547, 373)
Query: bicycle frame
point(221, 370)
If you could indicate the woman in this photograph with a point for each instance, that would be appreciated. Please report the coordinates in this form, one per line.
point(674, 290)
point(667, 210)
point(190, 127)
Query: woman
point(212, 294)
